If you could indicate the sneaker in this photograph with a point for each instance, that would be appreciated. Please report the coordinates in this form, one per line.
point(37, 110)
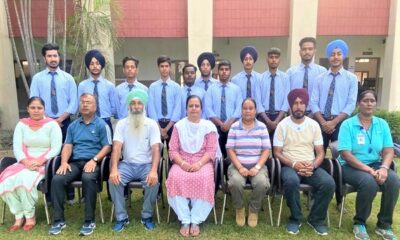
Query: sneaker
point(319, 229)
point(386, 234)
point(57, 227)
point(293, 228)
point(148, 223)
point(87, 228)
point(360, 232)
point(119, 225)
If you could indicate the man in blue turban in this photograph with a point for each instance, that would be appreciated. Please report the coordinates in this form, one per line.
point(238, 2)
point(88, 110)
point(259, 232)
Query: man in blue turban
point(206, 63)
point(334, 96)
point(247, 80)
point(101, 88)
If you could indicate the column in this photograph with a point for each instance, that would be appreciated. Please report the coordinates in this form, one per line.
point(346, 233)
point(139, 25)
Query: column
point(303, 23)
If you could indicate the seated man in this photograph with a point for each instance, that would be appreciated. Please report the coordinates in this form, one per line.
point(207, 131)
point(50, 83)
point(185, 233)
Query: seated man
point(139, 137)
point(296, 139)
point(87, 142)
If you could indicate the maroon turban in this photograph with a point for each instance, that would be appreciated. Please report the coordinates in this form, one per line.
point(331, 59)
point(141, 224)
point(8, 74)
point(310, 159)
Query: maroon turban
point(298, 93)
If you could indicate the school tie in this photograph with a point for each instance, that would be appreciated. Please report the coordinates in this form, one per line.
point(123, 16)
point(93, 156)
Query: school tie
point(205, 84)
point(53, 94)
point(96, 94)
point(272, 94)
point(305, 79)
point(188, 92)
point(130, 86)
point(248, 87)
point(223, 103)
point(329, 100)
point(164, 107)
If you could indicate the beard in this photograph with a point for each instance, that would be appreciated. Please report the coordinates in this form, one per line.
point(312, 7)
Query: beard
point(136, 121)
point(298, 114)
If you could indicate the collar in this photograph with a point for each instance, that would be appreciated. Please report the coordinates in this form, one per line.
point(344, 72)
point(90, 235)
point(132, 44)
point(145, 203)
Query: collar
point(134, 82)
point(80, 119)
point(355, 121)
point(100, 79)
point(256, 123)
point(57, 70)
point(341, 71)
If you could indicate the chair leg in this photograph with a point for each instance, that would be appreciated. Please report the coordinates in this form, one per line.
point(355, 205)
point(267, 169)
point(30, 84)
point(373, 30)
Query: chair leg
point(112, 212)
point(280, 211)
point(3, 215)
point(169, 213)
point(46, 209)
point(341, 211)
point(157, 212)
point(215, 215)
point(101, 208)
point(79, 197)
point(223, 209)
point(270, 211)
point(328, 219)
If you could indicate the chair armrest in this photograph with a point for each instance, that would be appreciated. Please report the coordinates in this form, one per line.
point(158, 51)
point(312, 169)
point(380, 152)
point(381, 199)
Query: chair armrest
point(270, 163)
point(159, 169)
point(338, 173)
point(327, 165)
point(6, 162)
point(278, 167)
point(55, 164)
point(47, 175)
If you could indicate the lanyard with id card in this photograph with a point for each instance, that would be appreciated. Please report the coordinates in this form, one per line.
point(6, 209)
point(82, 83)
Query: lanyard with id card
point(360, 139)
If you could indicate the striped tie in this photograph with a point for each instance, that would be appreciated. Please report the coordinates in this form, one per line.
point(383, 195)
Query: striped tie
point(272, 95)
point(305, 79)
point(205, 84)
point(96, 94)
point(188, 92)
point(329, 100)
point(53, 94)
point(248, 87)
point(164, 107)
point(223, 103)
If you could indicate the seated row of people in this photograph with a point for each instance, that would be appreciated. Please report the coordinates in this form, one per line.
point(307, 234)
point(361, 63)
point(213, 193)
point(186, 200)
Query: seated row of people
point(365, 145)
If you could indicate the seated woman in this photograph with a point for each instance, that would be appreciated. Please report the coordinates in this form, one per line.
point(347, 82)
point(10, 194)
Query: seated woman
point(248, 148)
point(366, 153)
point(190, 181)
point(36, 140)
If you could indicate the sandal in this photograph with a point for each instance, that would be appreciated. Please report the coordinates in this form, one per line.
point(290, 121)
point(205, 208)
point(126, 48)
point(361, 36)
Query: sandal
point(16, 225)
point(29, 224)
point(194, 230)
point(185, 229)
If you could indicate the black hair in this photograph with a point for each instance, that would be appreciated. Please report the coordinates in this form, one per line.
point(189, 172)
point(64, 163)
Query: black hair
point(224, 62)
point(194, 96)
point(130, 58)
point(250, 99)
point(275, 51)
point(362, 95)
point(36, 98)
point(307, 39)
point(50, 46)
point(162, 59)
point(189, 65)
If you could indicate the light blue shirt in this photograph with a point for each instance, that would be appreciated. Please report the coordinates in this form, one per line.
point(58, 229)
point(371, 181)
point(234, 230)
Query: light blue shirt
point(296, 76)
point(366, 147)
point(194, 91)
point(282, 87)
point(233, 99)
point(200, 83)
point(65, 88)
point(240, 80)
point(174, 100)
point(344, 96)
point(108, 101)
point(122, 91)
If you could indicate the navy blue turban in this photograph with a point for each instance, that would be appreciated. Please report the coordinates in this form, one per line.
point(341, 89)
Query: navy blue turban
point(94, 53)
point(338, 43)
point(206, 55)
point(248, 50)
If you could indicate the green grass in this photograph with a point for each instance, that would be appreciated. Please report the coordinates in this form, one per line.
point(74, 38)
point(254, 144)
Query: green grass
point(229, 230)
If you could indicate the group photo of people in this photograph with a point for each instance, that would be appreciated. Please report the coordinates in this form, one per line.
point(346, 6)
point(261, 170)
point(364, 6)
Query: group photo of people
point(264, 134)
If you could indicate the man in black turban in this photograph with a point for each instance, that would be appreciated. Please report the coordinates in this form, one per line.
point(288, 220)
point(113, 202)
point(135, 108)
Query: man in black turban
point(206, 63)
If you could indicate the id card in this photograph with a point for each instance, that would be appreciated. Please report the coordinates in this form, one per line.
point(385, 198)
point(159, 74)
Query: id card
point(360, 139)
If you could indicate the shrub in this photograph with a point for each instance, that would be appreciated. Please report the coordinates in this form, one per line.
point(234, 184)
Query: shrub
point(393, 119)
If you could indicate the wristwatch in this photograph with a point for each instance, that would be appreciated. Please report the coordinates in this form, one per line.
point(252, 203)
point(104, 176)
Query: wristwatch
point(95, 159)
point(258, 167)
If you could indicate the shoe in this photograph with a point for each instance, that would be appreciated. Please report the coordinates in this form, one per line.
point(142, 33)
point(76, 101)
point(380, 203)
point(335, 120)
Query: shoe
point(87, 228)
point(386, 234)
point(319, 229)
point(57, 227)
point(185, 230)
point(194, 230)
point(240, 217)
point(119, 225)
point(293, 228)
point(252, 219)
point(148, 223)
point(360, 232)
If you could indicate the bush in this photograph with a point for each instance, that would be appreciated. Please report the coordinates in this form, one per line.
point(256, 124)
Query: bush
point(393, 119)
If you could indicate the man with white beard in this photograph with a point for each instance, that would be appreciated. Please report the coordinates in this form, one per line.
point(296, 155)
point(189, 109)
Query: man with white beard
point(138, 137)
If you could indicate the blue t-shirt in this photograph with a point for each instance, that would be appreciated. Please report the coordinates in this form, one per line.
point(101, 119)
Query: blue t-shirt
point(87, 139)
point(366, 146)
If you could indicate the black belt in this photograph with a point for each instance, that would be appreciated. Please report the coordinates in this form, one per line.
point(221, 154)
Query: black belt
point(272, 113)
point(329, 118)
point(164, 120)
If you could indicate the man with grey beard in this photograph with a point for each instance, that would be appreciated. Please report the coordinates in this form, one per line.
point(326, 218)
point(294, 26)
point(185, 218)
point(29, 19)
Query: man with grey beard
point(138, 138)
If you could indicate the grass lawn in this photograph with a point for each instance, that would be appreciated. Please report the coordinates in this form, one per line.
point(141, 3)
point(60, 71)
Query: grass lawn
point(229, 230)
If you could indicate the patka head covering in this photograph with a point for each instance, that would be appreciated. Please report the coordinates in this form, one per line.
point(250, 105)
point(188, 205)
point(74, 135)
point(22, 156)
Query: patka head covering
point(298, 93)
point(94, 53)
point(248, 50)
point(137, 93)
point(206, 55)
point(338, 43)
